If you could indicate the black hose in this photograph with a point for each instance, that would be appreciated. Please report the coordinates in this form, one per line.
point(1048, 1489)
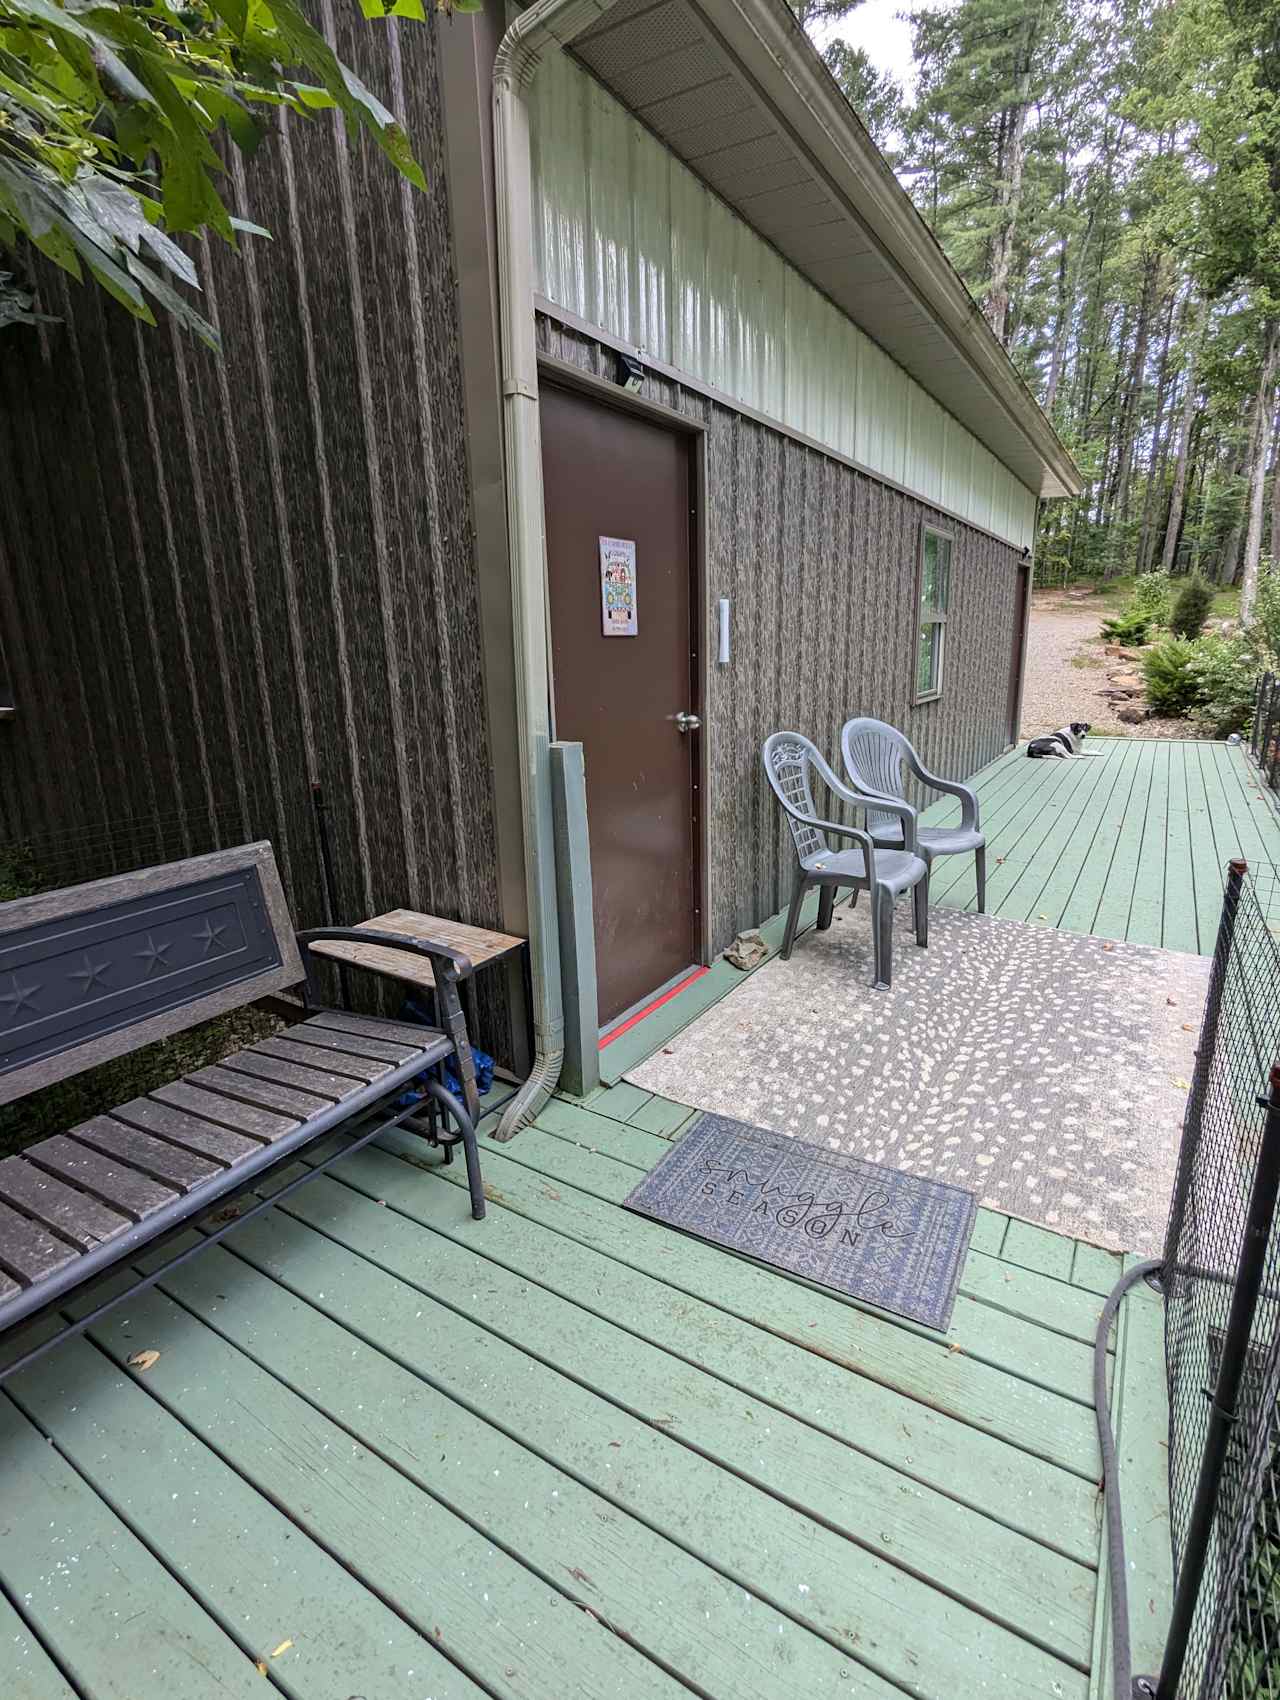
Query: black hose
point(1121, 1654)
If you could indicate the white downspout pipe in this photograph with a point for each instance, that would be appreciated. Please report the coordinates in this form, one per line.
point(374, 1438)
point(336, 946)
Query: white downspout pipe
point(548, 24)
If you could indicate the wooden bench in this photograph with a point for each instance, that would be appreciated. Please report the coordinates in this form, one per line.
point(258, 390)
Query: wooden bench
point(97, 971)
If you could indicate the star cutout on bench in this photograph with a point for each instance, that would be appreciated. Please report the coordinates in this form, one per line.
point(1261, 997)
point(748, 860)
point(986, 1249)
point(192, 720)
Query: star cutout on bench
point(20, 998)
point(91, 975)
point(210, 936)
point(154, 955)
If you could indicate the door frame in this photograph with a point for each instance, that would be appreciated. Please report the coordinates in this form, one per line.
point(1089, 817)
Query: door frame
point(563, 374)
point(1024, 583)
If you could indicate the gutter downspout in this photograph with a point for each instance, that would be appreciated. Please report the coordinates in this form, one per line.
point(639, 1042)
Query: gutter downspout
point(548, 24)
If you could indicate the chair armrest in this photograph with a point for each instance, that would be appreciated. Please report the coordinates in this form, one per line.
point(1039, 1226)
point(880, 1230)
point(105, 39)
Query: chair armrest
point(951, 788)
point(968, 799)
point(907, 813)
point(854, 832)
point(445, 961)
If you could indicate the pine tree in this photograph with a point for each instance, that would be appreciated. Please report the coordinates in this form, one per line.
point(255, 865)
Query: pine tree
point(1191, 608)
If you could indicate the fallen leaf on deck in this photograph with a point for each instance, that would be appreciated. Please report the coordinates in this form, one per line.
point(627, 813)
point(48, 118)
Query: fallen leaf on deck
point(1182, 1085)
point(955, 1346)
point(282, 1648)
point(262, 1667)
point(580, 1576)
point(1187, 1027)
point(1172, 1002)
point(549, 1192)
point(1108, 947)
point(143, 1360)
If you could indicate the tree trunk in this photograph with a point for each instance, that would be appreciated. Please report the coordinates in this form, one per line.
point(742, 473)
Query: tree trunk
point(1275, 492)
point(1264, 404)
point(1229, 562)
point(1013, 148)
point(1132, 406)
point(1173, 530)
point(1068, 280)
point(1158, 457)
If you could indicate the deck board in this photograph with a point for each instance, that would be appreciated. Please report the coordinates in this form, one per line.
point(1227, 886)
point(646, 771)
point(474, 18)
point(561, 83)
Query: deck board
point(566, 1452)
point(1131, 843)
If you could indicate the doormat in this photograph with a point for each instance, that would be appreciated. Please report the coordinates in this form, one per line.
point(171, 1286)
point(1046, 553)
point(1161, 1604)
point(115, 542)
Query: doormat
point(895, 1240)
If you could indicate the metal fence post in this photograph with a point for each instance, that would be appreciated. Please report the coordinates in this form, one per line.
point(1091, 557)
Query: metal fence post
point(1262, 715)
point(1222, 1410)
point(1205, 1050)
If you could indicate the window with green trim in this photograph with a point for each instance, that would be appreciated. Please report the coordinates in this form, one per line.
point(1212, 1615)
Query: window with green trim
point(931, 631)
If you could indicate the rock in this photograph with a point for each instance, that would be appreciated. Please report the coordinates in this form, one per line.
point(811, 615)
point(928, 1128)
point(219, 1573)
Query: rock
point(1133, 713)
point(747, 951)
point(1112, 649)
point(1128, 681)
point(1129, 654)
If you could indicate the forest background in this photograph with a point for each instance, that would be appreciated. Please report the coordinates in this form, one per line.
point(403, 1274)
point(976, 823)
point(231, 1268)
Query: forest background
point(1105, 176)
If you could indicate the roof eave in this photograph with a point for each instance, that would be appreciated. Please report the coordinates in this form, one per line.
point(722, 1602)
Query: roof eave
point(776, 54)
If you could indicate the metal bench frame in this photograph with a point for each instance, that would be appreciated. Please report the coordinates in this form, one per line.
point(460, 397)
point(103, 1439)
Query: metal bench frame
point(100, 926)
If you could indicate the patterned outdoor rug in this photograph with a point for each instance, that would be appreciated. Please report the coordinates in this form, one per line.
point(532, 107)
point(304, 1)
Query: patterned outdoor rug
point(892, 1239)
point(1047, 1070)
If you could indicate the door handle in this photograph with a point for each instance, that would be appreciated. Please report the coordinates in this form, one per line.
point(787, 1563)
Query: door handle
point(687, 722)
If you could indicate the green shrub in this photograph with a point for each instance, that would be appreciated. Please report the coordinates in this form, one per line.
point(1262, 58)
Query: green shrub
point(1152, 594)
point(1191, 608)
point(1225, 670)
point(1129, 628)
point(1171, 684)
point(19, 875)
point(1265, 629)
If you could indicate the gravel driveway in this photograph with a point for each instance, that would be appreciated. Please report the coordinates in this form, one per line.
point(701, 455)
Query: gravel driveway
point(1065, 672)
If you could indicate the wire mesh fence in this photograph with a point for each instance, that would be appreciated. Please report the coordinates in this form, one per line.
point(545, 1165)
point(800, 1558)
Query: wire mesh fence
point(1264, 734)
point(1222, 1284)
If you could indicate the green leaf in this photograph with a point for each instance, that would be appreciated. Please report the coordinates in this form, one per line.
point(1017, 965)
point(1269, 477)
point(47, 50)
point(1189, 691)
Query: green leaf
point(181, 310)
point(394, 9)
point(115, 208)
point(234, 14)
point(243, 128)
point(169, 254)
point(243, 225)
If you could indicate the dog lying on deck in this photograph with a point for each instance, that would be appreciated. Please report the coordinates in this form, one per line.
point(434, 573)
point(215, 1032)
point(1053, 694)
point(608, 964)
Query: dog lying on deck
point(1065, 742)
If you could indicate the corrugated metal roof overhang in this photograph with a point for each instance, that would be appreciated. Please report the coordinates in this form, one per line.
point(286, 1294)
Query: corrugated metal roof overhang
point(735, 89)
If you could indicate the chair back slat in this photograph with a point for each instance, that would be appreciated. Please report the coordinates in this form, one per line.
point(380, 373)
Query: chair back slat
point(873, 759)
point(93, 971)
point(788, 758)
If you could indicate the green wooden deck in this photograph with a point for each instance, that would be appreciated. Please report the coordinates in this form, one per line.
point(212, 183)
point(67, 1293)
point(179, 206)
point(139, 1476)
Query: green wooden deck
point(569, 1454)
point(1132, 844)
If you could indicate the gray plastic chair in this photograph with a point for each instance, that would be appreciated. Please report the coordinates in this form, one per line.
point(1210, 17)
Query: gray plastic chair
point(788, 760)
point(874, 757)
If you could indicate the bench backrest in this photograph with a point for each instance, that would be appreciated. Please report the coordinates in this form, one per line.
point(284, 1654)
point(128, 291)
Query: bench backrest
point(96, 970)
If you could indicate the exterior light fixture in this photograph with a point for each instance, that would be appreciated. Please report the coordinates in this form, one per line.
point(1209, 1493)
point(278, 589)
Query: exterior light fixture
point(630, 374)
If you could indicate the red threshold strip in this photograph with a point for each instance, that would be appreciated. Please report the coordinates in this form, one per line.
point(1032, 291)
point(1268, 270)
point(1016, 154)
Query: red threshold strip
point(626, 1026)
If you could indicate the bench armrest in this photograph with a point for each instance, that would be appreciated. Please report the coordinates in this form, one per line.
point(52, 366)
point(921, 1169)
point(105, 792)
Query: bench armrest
point(445, 961)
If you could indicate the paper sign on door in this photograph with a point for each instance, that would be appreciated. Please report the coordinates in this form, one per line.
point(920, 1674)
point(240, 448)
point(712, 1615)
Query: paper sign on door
point(618, 586)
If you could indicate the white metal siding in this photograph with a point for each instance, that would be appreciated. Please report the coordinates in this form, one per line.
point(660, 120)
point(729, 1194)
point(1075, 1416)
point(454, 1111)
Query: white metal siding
point(627, 238)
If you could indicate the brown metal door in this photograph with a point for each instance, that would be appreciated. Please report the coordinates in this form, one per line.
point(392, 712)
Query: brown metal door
point(608, 473)
point(1019, 648)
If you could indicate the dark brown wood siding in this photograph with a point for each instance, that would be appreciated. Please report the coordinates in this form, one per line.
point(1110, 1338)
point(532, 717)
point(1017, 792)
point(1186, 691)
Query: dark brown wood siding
point(222, 578)
point(820, 563)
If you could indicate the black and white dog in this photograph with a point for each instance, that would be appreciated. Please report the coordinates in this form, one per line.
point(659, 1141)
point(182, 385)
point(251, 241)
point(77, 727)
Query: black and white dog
point(1065, 742)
